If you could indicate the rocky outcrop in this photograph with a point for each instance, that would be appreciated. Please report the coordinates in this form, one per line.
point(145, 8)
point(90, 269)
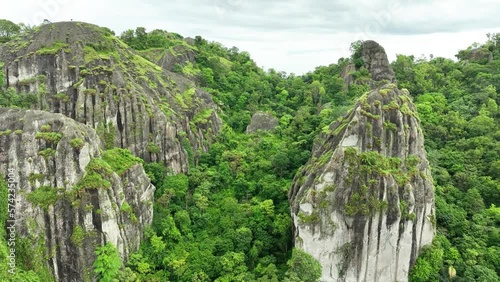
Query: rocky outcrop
point(480, 55)
point(375, 67)
point(174, 58)
point(364, 204)
point(376, 62)
point(71, 196)
point(263, 122)
point(346, 74)
point(87, 74)
point(178, 55)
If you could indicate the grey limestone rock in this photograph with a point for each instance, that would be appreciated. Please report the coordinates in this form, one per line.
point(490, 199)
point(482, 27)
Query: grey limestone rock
point(364, 204)
point(84, 72)
point(375, 60)
point(262, 121)
point(40, 147)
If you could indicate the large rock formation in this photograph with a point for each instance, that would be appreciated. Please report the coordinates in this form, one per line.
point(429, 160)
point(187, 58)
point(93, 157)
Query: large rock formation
point(68, 194)
point(364, 204)
point(376, 62)
point(263, 122)
point(84, 72)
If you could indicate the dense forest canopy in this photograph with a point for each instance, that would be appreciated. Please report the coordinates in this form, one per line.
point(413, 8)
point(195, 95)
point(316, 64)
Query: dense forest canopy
point(228, 219)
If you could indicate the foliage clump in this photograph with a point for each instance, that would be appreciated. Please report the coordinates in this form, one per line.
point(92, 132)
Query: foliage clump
point(356, 49)
point(53, 49)
point(43, 196)
point(108, 263)
point(120, 160)
point(77, 143)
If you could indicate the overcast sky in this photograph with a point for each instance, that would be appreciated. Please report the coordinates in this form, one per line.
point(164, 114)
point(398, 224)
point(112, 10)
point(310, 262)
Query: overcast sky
point(293, 35)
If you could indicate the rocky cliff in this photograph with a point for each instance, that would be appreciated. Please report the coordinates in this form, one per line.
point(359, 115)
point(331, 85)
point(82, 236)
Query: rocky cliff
point(376, 62)
point(364, 204)
point(69, 194)
point(87, 74)
point(262, 122)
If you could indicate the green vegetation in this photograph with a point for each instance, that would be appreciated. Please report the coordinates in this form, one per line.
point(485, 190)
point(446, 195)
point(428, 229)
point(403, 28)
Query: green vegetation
point(228, 218)
point(99, 170)
point(153, 148)
point(47, 153)
point(107, 264)
point(96, 176)
point(35, 177)
point(126, 208)
point(391, 126)
point(364, 202)
point(393, 105)
point(107, 133)
point(103, 50)
point(356, 48)
point(39, 78)
point(457, 104)
point(77, 143)
point(312, 218)
point(89, 91)
point(63, 97)
point(120, 160)
point(5, 132)
point(10, 98)
point(43, 197)
point(93, 180)
point(46, 128)
point(77, 236)
point(53, 49)
point(8, 30)
point(49, 137)
point(370, 162)
point(370, 115)
point(189, 150)
point(302, 267)
point(4, 200)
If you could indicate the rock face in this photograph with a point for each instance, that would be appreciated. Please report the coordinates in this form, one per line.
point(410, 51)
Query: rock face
point(262, 121)
point(346, 74)
point(85, 73)
point(481, 55)
point(364, 204)
point(376, 62)
point(179, 55)
point(70, 196)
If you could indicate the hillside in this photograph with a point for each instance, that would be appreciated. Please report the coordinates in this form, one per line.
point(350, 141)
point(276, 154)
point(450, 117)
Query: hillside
point(220, 210)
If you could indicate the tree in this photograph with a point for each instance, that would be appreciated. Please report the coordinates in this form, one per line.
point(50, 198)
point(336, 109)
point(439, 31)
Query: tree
point(428, 263)
point(8, 30)
point(356, 48)
point(480, 273)
point(107, 263)
point(303, 267)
